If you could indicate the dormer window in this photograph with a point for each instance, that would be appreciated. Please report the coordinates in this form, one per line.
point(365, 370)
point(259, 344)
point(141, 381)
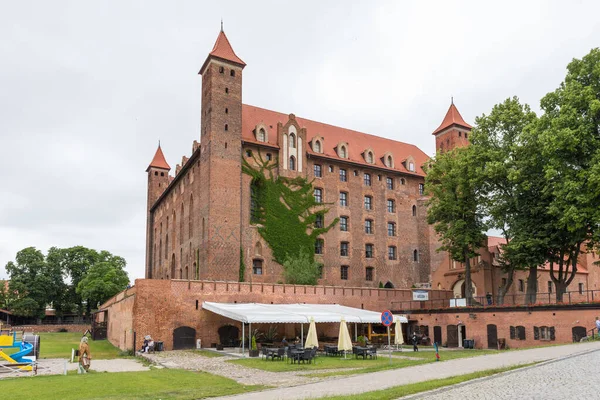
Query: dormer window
point(342, 150)
point(317, 146)
point(411, 166)
point(369, 157)
point(261, 137)
point(388, 161)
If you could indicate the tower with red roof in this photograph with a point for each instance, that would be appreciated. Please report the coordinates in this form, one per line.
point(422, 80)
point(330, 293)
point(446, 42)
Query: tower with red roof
point(452, 132)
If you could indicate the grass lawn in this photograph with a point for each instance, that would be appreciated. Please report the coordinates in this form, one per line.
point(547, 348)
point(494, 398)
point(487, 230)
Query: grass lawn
point(59, 345)
point(207, 353)
point(405, 390)
point(154, 384)
point(322, 362)
point(352, 365)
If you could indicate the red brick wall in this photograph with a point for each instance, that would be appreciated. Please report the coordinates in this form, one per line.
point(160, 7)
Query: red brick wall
point(160, 306)
point(563, 320)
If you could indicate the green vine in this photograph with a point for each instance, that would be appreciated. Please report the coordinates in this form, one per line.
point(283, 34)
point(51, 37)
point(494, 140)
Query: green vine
point(285, 211)
point(242, 266)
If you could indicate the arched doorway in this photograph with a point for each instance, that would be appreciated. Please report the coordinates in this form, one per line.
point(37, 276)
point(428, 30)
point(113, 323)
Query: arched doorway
point(452, 335)
point(459, 289)
point(184, 337)
point(492, 336)
point(437, 335)
point(578, 333)
point(389, 285)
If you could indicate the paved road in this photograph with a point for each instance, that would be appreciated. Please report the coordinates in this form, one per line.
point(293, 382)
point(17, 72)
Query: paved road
point(385, 379)
point(573, 377)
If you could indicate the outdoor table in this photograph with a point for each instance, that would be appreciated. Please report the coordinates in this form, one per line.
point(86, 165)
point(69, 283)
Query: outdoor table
point(296, 354)
point(271, 351)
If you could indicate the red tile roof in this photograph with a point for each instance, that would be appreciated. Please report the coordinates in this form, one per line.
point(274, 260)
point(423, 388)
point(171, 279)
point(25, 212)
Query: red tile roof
point(452, 117)
point(358, 142)
point(159, 160)
point(222, 49)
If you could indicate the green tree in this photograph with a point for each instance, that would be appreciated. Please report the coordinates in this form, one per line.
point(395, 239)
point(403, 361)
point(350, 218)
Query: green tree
point(301, 270)
point(570, 146)
point(103, 280)
point(35, 283)
point(6, 296)
point(454, 207)
point(495, 149)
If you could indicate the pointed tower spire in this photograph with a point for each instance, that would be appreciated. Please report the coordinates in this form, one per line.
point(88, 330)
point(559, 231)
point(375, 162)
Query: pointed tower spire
point(159, 160)
point(452, 118)
point(223, 51)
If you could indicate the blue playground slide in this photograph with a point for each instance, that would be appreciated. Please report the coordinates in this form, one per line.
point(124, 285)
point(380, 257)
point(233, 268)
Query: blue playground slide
point(26, 348)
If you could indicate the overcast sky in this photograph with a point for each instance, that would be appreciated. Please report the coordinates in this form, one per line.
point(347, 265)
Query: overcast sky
point(88, 88)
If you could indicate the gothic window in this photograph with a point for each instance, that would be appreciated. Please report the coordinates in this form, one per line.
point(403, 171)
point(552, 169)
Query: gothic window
point(344, 272)
point(292, 163)
point(369, 157)
point(389, 162)
point(414, 211)
point(342, 151)
point(262, 137)
point(254, 209)
point(319, 246)
point(415, 255)
point(344, 224)
point(257, 267)
point(317, 146)
point(292, 140)
point(368, 250)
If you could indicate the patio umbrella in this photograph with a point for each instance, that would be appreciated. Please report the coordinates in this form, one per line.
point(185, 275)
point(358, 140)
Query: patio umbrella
point(399, 338)
point(344, 339)
point(311, 336)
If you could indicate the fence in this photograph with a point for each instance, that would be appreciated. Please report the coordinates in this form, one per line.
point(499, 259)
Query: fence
point(522, 299)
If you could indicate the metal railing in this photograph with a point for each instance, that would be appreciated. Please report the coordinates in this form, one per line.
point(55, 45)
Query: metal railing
point(521, 299)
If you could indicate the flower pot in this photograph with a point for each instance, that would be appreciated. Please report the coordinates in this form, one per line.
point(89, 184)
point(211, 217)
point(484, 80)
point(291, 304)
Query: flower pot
point(253, 353)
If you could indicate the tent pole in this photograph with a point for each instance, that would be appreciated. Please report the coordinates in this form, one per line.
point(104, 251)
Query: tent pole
point(355, 332)
point(302, 334)
point(249, 337)
point(243, 339)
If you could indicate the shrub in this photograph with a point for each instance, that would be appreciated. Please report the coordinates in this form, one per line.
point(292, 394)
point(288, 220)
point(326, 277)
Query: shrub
point(62, 330)
point(253, 346)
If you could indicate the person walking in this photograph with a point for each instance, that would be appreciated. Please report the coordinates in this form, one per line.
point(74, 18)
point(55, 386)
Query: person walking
point(415, 341)
point(598, 326)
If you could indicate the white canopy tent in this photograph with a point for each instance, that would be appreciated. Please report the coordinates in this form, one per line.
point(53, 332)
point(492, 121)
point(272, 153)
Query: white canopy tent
point(297, 313)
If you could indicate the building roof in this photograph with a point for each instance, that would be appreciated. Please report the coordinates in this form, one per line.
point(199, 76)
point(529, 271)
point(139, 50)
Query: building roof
point(223, 50)
point(159, 160)
point(357, 142)
point(452, 117)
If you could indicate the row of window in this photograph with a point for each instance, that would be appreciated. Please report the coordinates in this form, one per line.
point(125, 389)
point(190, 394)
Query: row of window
point(222, 71)
point(257, 269)
point(389, 182)
point(369, 250)
point(539, 333)
point(368, 201)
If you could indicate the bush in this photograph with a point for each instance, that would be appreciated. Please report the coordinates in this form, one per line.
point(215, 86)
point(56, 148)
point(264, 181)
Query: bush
point(302, 270)
point(63, 330)
point(254, 343)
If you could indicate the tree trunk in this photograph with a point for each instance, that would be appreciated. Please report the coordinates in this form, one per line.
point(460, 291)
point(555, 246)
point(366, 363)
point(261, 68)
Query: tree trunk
point(531, 296)
point(468, 282)
point(504, 289)
point(561, 288)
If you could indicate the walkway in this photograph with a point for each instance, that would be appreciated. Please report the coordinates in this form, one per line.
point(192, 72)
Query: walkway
point(386, 379)
point(563, 379)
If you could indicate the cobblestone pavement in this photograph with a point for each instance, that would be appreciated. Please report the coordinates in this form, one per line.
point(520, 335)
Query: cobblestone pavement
point(572, 377)
point(218, 366)
point(385, 379)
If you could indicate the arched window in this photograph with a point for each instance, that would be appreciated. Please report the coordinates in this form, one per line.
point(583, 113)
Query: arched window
point(292, 163)
point(181, 224)
point(402, 181)
point(317, 148)
point(292, 141)
point(414, 208)
point(187, 276)
point(261, 135)
point(258, 249)
point(415, 255)
point(369, 157)
point(226, 127)
point(232, 73)
point(167, 246)
point(389, 162)
point(343, 152)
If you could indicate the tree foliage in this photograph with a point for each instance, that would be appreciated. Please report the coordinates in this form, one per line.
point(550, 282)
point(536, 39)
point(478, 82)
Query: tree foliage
point(301, 270)
point(104, 279)
point(38, 281)
point(454, 207)
point(285, 211)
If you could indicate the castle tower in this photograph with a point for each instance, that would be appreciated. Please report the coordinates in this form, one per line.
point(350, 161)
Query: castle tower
point(453, 131)
point(220, 162)
point(158, 180)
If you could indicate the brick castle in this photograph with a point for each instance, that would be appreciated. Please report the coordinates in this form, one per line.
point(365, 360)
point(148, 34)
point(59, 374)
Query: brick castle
point(199, 219)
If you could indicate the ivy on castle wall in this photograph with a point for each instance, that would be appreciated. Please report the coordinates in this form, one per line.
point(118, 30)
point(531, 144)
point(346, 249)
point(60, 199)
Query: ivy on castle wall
point(285, 211)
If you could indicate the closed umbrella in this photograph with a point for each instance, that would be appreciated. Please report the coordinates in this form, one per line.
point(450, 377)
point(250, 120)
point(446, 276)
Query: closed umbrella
point(344, 339)
point(399, 338)
point(311, 337)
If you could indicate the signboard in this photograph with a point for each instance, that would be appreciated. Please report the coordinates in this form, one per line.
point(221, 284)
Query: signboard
point(420, 295)
point(387, 318)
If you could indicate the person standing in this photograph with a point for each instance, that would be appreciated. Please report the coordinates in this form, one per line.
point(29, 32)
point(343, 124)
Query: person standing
point(598, 326)
point(415, 341)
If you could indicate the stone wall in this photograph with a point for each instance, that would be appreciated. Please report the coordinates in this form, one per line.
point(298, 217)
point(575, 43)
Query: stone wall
point(52, 328)
point(562, 318)
point(158, 307)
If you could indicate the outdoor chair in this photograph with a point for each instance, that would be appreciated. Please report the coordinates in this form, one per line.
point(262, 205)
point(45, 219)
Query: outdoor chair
point(264, 353)
point(307, 355)
point(280, 354)
point(371, 352)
